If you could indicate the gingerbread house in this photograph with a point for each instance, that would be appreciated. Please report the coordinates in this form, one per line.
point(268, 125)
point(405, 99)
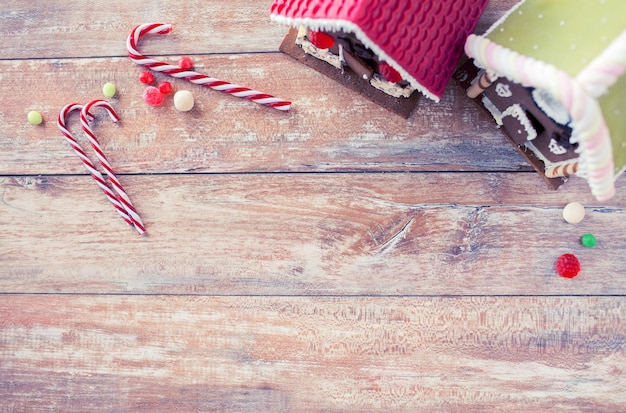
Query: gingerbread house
point(552, 74)
point(385, 49)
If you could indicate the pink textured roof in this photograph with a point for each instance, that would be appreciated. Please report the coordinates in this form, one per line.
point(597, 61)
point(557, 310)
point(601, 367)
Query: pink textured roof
point(420, 38)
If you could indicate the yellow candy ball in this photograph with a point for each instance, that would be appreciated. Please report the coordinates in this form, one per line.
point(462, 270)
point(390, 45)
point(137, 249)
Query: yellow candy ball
point(34, 117)
point(109, 90)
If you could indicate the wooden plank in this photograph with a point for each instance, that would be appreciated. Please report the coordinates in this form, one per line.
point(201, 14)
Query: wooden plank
point(340, 234)
point(260, 290)
point(287, 354)
point(75, 28)
point(339, 131)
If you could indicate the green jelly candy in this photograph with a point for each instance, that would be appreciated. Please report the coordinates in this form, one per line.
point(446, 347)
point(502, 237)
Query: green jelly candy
point(34, 117)
point(588, 240)
point(109, 90)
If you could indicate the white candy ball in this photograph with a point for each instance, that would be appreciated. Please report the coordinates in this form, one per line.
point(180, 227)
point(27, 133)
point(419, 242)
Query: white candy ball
point(573, 212)
point(183, 100)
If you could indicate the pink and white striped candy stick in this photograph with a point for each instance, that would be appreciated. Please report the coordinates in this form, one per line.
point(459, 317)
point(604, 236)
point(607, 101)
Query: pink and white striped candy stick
point(97, 176)
point(95, 144)
point(194, 77)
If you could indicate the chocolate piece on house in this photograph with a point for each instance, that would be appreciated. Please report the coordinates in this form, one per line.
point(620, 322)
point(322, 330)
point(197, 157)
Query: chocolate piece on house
point(553, 76)
point(538, 137)
point(384, 49)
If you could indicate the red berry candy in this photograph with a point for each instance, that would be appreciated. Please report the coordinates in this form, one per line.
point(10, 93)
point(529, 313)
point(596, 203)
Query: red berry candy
point(389, 73)
point(568, 266)
point(146, 77)
point(165, 87)
point(321, 40)
point(185, 63)
point(152, 96)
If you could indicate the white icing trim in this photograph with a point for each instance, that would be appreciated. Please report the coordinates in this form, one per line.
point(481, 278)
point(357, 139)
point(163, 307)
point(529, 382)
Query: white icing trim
point(321, 54)
point(347, 26)
point(547, 163)
point(550, 106)
point(495, 112)
point(390, 88)
point(503, 18)
point(516, 111)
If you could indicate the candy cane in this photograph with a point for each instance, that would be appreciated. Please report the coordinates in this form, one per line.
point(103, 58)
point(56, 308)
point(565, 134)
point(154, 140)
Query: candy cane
point(194, 77)
point(97, 176)
point(95, 144)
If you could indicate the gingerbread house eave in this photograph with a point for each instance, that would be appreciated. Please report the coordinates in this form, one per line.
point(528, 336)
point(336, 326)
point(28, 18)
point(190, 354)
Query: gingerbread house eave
point(350, 27)
point(589, 129)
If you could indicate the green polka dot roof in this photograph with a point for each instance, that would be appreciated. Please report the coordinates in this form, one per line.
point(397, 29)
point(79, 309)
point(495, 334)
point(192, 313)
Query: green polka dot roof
point(565, 33)
point(613, 106)
point(569, 34)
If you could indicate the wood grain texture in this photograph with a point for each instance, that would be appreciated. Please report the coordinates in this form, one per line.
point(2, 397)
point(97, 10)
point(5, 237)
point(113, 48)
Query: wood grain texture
point(76, 28)
point(242, 354)
point(339, 131)
point(334, 259)
point(306, 234)
point(324, 132)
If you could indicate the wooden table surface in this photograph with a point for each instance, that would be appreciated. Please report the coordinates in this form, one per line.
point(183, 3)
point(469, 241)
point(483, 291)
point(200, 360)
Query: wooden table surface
point(337, 258)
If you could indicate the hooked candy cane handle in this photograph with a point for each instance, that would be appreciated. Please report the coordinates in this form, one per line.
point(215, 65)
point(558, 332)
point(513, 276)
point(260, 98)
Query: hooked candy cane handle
point(194, 77)
point(97, 176)
point(122, 196)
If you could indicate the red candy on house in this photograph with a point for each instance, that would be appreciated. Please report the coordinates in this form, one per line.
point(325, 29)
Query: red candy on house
point(389, 73)
point(185, 63)
point(146, 77)
point(321, 40)
point(424, 38)
point(568, 266)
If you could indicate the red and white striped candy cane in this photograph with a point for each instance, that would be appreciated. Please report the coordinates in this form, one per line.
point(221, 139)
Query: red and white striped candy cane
point(97, 176)
point(194, 77)
point(123, 197)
